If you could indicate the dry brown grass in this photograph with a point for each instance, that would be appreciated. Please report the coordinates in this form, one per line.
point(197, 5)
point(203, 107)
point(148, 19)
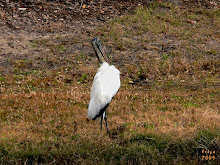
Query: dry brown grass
point(167, 108)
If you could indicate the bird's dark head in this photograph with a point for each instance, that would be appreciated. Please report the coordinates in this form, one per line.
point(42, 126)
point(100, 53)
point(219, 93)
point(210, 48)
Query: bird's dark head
point(96, 44)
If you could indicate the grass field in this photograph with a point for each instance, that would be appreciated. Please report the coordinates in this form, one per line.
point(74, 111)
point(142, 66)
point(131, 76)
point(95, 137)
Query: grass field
point(166, 111)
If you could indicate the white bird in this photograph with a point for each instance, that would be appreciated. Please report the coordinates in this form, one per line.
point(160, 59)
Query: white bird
point(105, 85)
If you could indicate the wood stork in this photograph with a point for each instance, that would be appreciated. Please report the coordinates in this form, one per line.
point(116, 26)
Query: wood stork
point(105, 85)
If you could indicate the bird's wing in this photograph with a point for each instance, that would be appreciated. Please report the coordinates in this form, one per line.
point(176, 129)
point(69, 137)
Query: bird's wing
point(105, 85)
point(110, 81)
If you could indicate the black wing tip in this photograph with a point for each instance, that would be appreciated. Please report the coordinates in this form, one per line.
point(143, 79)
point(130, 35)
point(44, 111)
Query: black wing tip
point(95, 117)
point(101, 112)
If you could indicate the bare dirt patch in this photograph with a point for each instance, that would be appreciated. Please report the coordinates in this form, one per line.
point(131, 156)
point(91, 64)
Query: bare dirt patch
point(23, 22)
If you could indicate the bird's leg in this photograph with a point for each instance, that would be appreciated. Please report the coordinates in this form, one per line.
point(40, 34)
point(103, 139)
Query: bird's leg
point(106, 122)
point(101, 121)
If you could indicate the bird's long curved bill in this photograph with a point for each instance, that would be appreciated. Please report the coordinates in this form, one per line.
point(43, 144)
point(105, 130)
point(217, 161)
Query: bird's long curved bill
point(103, 54)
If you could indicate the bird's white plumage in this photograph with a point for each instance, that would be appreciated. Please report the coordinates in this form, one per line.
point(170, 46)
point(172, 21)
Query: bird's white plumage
point(105, 85)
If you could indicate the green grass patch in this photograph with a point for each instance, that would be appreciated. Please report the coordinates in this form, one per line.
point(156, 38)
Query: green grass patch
point(136, 149)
